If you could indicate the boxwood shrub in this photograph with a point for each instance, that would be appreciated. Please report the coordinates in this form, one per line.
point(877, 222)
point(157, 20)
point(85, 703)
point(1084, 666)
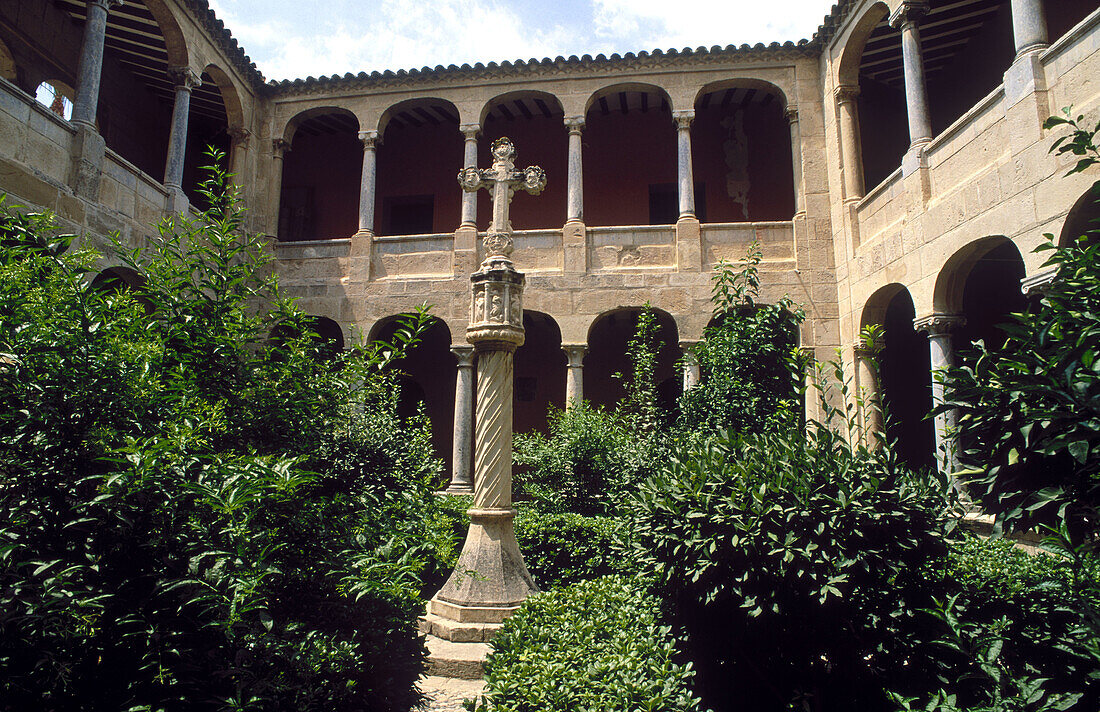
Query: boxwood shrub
point(593, 646)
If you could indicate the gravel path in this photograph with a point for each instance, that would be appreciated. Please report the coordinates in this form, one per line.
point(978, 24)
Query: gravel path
point(446, 694)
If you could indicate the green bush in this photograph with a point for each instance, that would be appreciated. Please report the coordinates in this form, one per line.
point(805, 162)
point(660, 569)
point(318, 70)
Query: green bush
point(793, 565)
point(192, 515)
point(750, 377)
point(565, 548)
point(588, 462)
point(594, 646)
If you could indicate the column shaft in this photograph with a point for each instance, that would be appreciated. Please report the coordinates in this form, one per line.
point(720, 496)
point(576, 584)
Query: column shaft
point(367, 182)
point(869, 389)
point(574, 375)
point(493, 431)
point(462, 481)
point(916, 92)
point(469, 160)
point(278, 148)
point(851, 159)
point(185, 81)
point(90, 68)
point(942, 357)
point(1029, 25)
point(575, 200)
point(796, 158)
point(685, 179)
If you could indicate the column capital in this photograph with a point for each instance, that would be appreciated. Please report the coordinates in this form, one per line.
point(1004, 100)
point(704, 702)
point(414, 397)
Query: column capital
point(575, 353)
point(239, 135)
point(575, 124)
point(184, 77)
point(791, 114)
point(683, 118)
point(1039, 282)
point(869, 350)
point(938, 324)
point(279, 146)
point(910, 11)
point(370, 139)
point(106, 4)
point(686, 344)
point(470, 131)
point(846, 93)
point(464, 354)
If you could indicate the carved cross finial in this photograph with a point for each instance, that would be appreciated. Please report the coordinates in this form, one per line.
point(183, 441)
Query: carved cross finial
point(502, 181)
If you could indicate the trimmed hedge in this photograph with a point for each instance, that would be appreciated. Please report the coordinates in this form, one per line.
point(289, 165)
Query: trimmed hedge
point(594, 646)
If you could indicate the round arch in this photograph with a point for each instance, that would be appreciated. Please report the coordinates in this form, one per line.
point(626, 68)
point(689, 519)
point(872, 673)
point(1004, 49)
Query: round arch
point(755, 85)
point(852, 53)
point(641, 88)
point(874, 310)
point(1083, 220)
point(176, 45)
point(539, 373)
point(545, 103)
point(947, 297)
point(608, 339)
point(7, 64)
point(117, 279)
point(419, 111)
point(292, 124)
point(231, 98)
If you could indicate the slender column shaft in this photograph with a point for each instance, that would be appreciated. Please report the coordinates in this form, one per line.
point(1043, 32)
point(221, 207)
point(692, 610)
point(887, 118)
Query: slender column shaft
point(1029, 25)
point(852, 160)
point(90, 68)
point(278, 148)
point(574, 375)
point(942, 357)
point(469, 160)
point(367, 181)
point(916, 93)
point(692, 374)
point(185, 81)
point(685, 179)
point(575, 200)
point(238, 146)
point(462, 481)
point(796, 158)
point(870, 390)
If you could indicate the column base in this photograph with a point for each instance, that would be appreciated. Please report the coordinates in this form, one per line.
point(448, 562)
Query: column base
point(457, 490)
point(689, 244)
point(177, 200)
point(490, 579)
point(88, 150)
point(575, 244)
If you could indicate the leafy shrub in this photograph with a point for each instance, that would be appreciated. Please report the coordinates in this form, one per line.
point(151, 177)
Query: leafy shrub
point(750, 378)
point(592, 646)
point(192, 517)
point(565, 548)
point(1028, 411)
point(793, 564)
point(587, 463)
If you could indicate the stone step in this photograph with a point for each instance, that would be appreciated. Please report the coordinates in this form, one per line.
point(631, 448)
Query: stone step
point(464, 661)
point(457, 631)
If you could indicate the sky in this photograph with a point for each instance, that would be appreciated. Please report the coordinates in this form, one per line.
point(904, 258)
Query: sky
point(290, 39)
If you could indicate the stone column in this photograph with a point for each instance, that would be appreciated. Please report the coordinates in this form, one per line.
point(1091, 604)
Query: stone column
point(469, 160)
point(851, 158)
point(279, 147)
point(942, 356)
point(869, 389)
point(684, 177)
point(185, 80)
point(796, 157)
point(574, 375)
point(1029, 26)
point(692, 374)
point(574, 211)
point(90, 69)
point(916, 93)
point(367, 181)
point(238, 146)
point(462, 481)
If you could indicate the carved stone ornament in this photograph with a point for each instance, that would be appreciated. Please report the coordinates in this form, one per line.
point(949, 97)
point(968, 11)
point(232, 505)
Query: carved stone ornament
point(910, 11)
point(683, 119)
point(846, 93)
point(937, 324)
point(184, 78)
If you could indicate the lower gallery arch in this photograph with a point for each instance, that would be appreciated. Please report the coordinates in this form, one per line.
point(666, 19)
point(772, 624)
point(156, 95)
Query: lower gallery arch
point(981, 282)
point(1083, 220)
point(608, 340)
point(539, 373)
point(427, 376)
point(905, 375)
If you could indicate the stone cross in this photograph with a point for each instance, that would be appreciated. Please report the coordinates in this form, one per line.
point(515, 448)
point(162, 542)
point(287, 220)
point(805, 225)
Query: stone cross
point(502, 181)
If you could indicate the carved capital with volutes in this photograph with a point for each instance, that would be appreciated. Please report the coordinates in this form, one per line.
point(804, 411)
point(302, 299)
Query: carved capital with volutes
point(496, 311)
point(575, 125)
point(791, 114)
point(869, 349)
point(470, 131)
point(574, 354)
point(846, 93)
point(910, 11)
point(279, 146)
point(464, 355)
point(938, 324)
point(683, 119)
point(370, 139)
point(184, 77)
point(107, 5)
point(239, 136)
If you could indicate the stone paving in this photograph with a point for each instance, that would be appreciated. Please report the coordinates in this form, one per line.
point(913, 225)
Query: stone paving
point(446, 694)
